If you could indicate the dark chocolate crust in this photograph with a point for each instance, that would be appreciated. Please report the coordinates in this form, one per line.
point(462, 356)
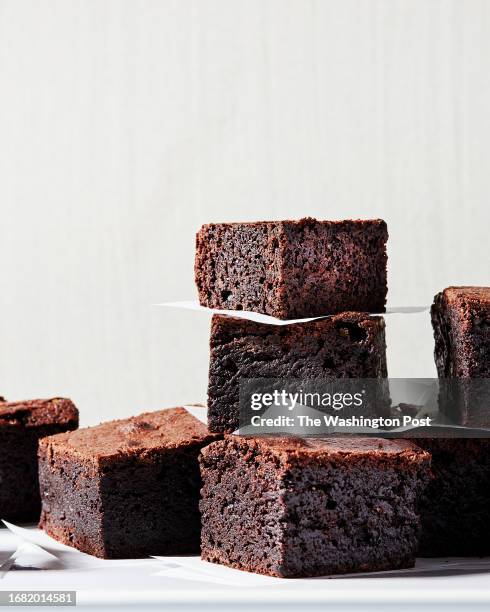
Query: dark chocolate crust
point(348, 345)
point(309, 507)
point(455, 507)
point(22, 425)
point(293, 269)
point(38, 413)
point(125, 489)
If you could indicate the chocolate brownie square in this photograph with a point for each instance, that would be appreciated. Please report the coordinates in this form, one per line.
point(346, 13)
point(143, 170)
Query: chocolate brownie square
point(455, 507)
point(293, 269)
point(461, 322)
point(127, 488)
point(347, 345)
point(22, 425)
point(292, 507)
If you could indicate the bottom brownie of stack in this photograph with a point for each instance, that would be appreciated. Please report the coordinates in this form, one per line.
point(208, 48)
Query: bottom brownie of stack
point(292, 507)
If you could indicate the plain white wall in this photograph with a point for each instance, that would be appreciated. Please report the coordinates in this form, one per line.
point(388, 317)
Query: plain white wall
point(125, 125)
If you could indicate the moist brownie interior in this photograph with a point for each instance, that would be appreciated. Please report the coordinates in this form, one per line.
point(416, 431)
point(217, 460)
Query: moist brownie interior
point(461, 321)
point(128, 488)
point(307, 507)
point(348, 345)
point(293, 269)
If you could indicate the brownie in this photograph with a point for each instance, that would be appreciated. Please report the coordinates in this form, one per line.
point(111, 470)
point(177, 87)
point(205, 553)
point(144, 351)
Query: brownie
point(292, 507)
point(22, 424)
point(293, 269)
point(455, 507)
point(461, 322)
point(347, 345)
point(127, 488)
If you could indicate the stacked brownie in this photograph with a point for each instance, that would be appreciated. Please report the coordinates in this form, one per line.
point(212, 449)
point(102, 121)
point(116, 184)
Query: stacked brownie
point(346, 345)
point(461, 322)
point(291, 269)
point(287, 506)
point(456, 504)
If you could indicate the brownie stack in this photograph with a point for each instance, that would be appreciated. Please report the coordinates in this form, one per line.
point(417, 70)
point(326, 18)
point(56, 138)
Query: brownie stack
point(291, 270)
point(164, 483)
point(456, 504)
point(285, 506)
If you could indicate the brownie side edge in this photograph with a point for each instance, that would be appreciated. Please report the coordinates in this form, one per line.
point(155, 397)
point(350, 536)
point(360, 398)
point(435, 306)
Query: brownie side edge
point(288, 517)
point(293, 269)
point(19, 492)
point(71, 513)
point(335, 267)
point(238, 266)
point(39, 412)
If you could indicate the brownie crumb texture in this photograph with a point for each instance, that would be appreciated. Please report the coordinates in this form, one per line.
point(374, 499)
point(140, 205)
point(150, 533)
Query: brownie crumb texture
point(293, 269)
point(461, 322)
point(348, 345)
point(127, 488)
point(292, 507)
point(22, 425)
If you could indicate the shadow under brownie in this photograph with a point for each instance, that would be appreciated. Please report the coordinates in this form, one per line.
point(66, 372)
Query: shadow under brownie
point(455, 507)
point(127, 488)
point(292, 507)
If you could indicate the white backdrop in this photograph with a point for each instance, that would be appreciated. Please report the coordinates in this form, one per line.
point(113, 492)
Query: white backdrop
point(124, 125)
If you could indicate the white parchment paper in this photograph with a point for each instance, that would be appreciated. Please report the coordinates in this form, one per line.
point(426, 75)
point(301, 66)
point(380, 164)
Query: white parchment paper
point(263, 318)
point(37, 550)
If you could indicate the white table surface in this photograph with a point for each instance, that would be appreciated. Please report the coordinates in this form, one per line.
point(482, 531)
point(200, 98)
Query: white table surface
point(186, 583)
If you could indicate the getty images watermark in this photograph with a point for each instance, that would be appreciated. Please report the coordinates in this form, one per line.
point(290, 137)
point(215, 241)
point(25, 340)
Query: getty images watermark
point(405, 407)
point(296, 403)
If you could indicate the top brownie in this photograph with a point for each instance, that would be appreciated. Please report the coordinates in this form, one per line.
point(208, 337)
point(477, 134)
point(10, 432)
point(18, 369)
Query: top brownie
point(461, 321)
point(31, 414)
point(293, 269)
point(149, 432)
